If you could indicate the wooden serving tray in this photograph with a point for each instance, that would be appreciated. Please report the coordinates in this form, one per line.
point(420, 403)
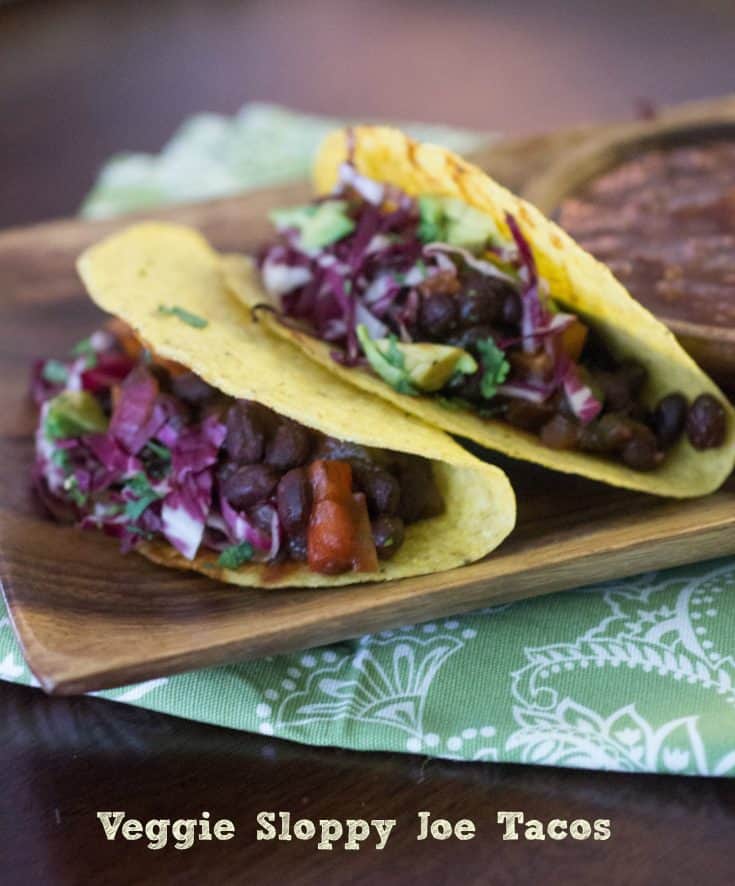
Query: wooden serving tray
point(89, 618)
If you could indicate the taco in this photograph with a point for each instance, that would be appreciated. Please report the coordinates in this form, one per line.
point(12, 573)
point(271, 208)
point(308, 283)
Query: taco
point(187, 432)
point(416, 277)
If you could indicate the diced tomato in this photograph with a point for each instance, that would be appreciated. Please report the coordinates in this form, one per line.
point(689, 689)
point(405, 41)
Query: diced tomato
point(331, 480)
point(339, 536)
point(330, 538)
point(365, 558)
point(125, 337)
point(573, 339)
point(133, 345)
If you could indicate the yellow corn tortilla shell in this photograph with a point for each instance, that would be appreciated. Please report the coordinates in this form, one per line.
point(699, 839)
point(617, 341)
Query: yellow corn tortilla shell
point(134, 272)
point(576, 280)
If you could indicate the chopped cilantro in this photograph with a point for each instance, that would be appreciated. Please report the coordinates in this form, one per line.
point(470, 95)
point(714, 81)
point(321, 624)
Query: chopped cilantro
point(134, 509)
point(185, 316)
point(55, 372)
point(395, 358)
point(85, 349)
point(60, 457)
point(234, 556)
point(495, 367)
point(138, 484)
point(158, 449)
point(387, 360)
point(144, 493)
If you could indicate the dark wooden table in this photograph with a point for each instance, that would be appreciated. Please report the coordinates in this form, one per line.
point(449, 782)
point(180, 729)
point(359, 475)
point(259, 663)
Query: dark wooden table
point(80, 79)
point(64, 759)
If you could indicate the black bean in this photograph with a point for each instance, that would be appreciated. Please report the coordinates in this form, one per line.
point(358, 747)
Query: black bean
point(438, 314)
point(262, 516)
point(512, 309)
point(635, 374)
point(420, 496)
point(669, 418)
point(641, 452)
point(388, 535)
point(474, 282)
point(294, 500)
point(248, 485)
point(476, 308)
point(615, 389)
point(331, 449)
point(289, 447)
point(527, 415)
point(706, 423)
point(381, 488)
point(226, 470)
point(610, 433)
point(191, 388)
point(560, 433)
point(247, 426)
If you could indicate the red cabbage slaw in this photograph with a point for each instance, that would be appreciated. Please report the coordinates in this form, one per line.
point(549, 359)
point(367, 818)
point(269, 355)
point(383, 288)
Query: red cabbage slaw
point(151, 473)
point(371, 276)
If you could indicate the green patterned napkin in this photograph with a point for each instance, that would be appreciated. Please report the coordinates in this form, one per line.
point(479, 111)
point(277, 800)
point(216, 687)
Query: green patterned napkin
point(637, 675)
point(213, 156)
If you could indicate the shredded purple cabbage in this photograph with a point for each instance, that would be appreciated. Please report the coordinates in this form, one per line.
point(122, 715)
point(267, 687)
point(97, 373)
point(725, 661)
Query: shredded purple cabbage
point(374, 276)
point(150, 475)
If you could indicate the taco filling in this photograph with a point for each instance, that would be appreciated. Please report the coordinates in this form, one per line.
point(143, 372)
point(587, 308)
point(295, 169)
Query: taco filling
point(143, 449)
point(427, 294)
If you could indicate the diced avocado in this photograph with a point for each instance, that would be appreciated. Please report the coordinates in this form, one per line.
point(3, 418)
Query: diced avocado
point(319, 224)
point(432, 226)
point(430, 366)
point(448, 220)
point(414, 367)
point(73, 413)
point(385, 356)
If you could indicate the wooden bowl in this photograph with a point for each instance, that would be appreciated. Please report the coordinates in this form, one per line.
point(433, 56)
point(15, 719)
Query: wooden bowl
point(713, 347)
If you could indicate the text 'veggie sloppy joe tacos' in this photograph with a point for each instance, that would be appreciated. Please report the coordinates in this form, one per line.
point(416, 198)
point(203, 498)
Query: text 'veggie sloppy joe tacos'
point(186, 431)
point(416, 277)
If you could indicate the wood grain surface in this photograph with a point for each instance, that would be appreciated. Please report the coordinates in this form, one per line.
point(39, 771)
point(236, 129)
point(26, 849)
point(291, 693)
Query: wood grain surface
point(89, 618)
